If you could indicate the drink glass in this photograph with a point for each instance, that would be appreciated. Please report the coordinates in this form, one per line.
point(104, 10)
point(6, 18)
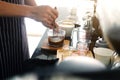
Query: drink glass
point(82, 47)
point(56, 38)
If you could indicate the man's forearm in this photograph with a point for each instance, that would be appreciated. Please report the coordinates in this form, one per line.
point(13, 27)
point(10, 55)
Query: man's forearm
point(30, 2)
point(43, 13)
point(8, 9)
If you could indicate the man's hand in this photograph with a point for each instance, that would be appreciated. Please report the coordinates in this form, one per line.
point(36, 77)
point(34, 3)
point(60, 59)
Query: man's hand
point(45, 14)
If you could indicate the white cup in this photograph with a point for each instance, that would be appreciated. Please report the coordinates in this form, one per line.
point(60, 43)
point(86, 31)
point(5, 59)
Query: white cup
point(68, 28)
point(103, 54)
point(67, 25)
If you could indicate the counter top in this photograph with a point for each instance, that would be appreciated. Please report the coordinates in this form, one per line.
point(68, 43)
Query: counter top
point(43, 63)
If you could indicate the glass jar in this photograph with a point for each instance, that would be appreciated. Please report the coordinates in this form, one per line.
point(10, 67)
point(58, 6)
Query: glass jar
point(82, 47)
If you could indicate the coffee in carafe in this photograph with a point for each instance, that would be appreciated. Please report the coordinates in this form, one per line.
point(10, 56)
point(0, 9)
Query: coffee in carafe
point(56, 39)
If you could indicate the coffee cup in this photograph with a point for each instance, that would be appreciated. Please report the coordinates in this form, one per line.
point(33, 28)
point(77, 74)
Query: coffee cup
point(103, 54)
point(68, 26)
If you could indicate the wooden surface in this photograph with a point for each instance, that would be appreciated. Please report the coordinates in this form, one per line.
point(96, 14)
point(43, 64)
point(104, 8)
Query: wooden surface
point(62, 54)
point(46, 46)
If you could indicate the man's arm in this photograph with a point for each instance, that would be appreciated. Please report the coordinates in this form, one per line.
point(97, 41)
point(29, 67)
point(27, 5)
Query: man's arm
point(43, 13)
point(30, 2)
point(9, 9)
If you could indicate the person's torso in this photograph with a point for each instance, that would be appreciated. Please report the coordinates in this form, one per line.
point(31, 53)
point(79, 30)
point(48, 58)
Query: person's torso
point(13, 43)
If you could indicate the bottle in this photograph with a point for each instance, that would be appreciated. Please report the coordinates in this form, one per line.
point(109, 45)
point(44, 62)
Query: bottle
point(73, 15)
point(84, 38)
point(85, 31)
point(82, 47)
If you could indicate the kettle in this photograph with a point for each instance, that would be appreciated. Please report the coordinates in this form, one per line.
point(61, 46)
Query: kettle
point(101, 43)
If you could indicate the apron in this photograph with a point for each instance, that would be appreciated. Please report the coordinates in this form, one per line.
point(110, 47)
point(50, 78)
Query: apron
point(13, 44)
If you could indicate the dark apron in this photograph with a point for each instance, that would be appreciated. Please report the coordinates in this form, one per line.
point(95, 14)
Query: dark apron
point(13, 44)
